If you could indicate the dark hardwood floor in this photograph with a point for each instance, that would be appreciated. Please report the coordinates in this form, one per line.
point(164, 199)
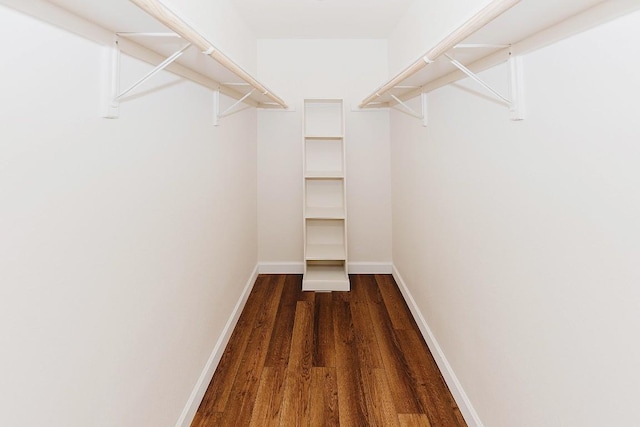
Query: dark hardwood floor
point(327, 359)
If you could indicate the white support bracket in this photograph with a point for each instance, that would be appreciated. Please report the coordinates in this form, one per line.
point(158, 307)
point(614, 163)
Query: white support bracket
point(423, 115)
point(516, 100)
point(112, 79)
point(164, 64)
point(516, 77)
point(477, 79)
point(111, 82)
point(217, 114)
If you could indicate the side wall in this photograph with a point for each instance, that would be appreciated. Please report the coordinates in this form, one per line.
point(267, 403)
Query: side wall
point(323, 69)
point(520, 241)
point(220, 23)
point(124, 244)
point(425, 24)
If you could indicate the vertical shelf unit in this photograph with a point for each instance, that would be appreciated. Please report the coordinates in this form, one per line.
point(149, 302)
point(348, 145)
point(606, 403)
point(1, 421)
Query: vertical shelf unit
point(324, 196)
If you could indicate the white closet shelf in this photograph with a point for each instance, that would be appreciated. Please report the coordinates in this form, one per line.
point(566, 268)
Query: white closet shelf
point(330, 137)
point(323, 174)
point(147, 22)
point(324, 213)
point(502, 29)
point(326, 273)
point(325, 252)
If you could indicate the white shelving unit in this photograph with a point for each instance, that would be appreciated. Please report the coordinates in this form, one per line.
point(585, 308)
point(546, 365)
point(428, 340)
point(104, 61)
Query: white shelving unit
point(324, 200)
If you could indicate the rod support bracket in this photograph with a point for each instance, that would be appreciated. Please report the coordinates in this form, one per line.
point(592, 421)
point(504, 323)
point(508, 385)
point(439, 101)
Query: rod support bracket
point(423, 116)
point(515, 101)
point(111, 94)
point(110, 105)
point(516, 80)
point(217, 114)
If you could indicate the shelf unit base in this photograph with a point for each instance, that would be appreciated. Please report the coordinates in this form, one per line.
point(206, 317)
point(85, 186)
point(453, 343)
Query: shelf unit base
point(326, 286)
point(325, 276)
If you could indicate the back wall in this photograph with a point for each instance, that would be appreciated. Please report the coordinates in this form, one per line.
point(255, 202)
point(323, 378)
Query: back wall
point(301, 69)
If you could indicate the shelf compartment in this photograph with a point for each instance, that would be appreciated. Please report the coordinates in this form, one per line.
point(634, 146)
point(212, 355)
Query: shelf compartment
point(325, 232)
point(324, 213)
point(325, 276)
point(325, 193)
point(324, 157)
point(323, 118)
point(325, 253)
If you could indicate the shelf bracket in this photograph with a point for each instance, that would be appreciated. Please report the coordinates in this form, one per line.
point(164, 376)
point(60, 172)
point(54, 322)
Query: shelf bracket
point(113, 96)
point(517, 88)
point(515, 102)
point(111, 82)
point(217, 114)
point(413, 113)
point(477, 79)
point(164, 64)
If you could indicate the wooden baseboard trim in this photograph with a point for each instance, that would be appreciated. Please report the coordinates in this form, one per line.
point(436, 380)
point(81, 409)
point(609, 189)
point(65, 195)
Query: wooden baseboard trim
point(469, 413)
point(200, 388)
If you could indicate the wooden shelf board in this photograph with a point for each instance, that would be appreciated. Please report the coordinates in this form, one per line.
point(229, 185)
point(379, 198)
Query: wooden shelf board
point(122, 16)
point(313, 212)
point(324, 137)
point(324, 174)
point(513, 27)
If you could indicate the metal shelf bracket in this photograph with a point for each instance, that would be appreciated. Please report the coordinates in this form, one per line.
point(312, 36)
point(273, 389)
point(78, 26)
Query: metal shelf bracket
point(423, 115)
point(112, 94)
point(217, 114)
point(517, 107)
point(515, 101)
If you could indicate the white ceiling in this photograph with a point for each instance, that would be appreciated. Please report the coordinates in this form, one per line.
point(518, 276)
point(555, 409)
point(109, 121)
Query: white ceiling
point(321, 18)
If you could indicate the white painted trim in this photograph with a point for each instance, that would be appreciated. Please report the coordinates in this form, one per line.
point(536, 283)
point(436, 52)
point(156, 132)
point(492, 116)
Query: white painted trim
point(190, 409)
point(281, 267)
point(370, 268)
point(298, 268)
point(469, 413)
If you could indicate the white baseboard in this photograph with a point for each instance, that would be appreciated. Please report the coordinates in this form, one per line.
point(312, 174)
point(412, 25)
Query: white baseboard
point(281, 267)
point(370, 268)
point(199, 390)
point(298, 268)
point(469, 413)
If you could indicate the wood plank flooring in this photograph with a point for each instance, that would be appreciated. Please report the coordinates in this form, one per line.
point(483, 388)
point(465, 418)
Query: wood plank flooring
point(327, 359)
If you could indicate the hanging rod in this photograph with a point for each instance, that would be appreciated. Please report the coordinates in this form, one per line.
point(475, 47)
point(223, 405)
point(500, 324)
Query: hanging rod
point(480, 46)
point(166, 16)
point(148, 34)
point(482, 18)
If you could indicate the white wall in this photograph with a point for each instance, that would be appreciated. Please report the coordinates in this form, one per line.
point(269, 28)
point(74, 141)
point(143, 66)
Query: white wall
point(520, 241)
point(323, 69)
point(124, 244)
point(424, 25)
point(221, 24)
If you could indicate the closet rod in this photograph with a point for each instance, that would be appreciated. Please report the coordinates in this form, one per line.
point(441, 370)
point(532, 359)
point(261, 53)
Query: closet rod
point(170, 19)
point(479, 20)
